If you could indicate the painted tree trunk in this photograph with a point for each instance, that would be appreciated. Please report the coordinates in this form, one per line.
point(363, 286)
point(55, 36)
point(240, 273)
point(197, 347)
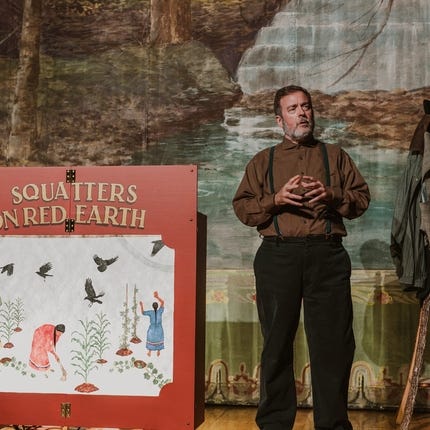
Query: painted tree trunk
point(170, 21)
point(23, 133)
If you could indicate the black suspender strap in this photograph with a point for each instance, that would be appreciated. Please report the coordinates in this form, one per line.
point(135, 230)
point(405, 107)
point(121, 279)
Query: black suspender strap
point(327, 181)
point(271, 154)
point(272, 188)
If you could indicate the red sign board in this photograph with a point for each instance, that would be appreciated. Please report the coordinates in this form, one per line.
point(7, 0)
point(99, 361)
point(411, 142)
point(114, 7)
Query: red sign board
point(102, 301)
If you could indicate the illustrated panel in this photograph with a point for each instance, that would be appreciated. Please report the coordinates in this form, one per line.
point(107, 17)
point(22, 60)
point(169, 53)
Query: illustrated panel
point(86, 314)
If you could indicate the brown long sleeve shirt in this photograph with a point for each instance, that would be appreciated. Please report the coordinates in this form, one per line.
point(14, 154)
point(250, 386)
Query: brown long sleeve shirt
point(254, 204)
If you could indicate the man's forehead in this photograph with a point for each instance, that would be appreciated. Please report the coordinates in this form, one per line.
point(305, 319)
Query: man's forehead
point(295, 98)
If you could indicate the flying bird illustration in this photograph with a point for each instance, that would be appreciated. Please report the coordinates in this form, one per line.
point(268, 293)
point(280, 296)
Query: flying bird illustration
point(8, 268)
point(158, 244)
point(92, 297)
point(44, 269)
point(102, 264)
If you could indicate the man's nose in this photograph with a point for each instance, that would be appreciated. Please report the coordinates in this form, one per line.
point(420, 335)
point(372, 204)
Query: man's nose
point(300, 111)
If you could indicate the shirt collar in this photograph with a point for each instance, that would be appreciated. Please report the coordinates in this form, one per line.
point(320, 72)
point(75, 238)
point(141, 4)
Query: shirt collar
point(287, 143)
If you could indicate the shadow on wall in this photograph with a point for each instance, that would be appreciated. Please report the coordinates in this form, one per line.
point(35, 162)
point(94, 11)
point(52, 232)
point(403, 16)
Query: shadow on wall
point(387, 337)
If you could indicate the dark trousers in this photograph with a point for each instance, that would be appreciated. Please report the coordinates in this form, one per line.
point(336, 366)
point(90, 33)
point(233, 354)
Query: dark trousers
point(317, 274)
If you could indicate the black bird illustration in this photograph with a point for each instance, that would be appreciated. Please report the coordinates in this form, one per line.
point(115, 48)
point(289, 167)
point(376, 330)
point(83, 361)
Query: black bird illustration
point(92, 297)
point(43, 270)
point(102, 264)
point(8, 268)
point(158, 244)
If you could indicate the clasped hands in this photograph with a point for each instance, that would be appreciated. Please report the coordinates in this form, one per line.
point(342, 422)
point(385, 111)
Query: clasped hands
point(300, 189)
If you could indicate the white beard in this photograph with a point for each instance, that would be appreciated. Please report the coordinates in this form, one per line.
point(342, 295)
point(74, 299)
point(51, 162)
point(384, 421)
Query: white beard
point(296, 134)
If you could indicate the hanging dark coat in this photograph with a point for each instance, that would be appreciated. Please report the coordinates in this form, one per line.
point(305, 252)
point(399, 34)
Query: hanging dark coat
point(411, 217)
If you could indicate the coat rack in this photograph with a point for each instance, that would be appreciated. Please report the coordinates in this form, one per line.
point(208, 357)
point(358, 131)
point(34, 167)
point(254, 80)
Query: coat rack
point(406, 407)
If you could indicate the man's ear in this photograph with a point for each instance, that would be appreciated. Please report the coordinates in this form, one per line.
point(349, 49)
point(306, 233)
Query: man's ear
point(279, 120)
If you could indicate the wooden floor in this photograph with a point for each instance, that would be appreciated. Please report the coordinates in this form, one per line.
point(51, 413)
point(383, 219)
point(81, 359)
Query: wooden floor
point(242, 418)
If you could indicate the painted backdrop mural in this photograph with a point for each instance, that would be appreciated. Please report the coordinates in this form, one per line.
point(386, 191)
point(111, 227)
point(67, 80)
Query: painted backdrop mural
point(106, 84)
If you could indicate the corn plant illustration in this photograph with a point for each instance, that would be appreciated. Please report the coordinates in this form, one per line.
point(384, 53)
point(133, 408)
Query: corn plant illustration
point(18, 314)
point(101, 331)
point(7, 323)
point(124, 344)
point(84, 358)
point(134, 337)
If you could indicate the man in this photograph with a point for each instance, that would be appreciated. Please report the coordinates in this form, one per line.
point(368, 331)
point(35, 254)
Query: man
point(297, 194)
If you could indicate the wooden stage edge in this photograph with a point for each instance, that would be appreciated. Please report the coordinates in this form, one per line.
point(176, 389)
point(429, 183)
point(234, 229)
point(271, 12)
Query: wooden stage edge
point(242, 418)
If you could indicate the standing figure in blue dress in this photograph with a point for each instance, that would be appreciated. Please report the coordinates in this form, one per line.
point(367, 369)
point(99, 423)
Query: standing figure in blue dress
point(155, 333)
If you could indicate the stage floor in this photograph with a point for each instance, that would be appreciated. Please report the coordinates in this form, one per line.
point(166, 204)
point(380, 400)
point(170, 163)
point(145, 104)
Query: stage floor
point(242, 418)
